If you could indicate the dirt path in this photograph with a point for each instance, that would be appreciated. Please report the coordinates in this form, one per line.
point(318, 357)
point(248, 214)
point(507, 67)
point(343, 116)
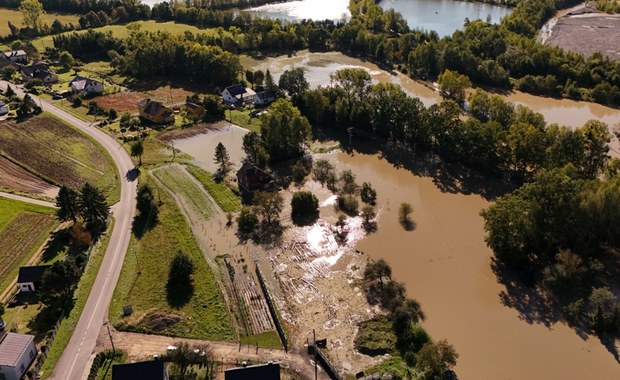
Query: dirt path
point(143, 346)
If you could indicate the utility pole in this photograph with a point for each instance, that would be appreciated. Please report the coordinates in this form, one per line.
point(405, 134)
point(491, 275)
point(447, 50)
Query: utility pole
point(111, 341)
point(316, 373)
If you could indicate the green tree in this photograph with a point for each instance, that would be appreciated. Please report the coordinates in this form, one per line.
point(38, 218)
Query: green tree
point(137, 149)
point(452, 85)
point(596, 136)
point(268, 206)
point(222, 158)
point(304, 206)
point(347, 179)
point(404, 211)
point(66, 60)
point(247, 221)
point(67, 202)
point(293, 82)
point(93, 207)
point(181, 270)
point(368, 194)
point(254, 149)
point(434, 359)
point(58, 281)
point(368, 216)
point(32, 12)
point(284, 131)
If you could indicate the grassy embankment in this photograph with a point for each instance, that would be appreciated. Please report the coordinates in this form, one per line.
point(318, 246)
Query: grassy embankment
point(221, 193)
point(17, 19)
point(23, 229)
point(68, 324)
point(60, 154)
point(142, 282)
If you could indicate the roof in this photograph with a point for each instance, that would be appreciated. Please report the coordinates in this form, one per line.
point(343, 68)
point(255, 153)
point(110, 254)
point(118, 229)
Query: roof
point(236, 89)
point(263, 95)
point(36, 70)
point(270, 371)
point(14, 53)
point(80, 83)
point(150, 370)
point(31, 274)
point(12, 347)
point(152, 107)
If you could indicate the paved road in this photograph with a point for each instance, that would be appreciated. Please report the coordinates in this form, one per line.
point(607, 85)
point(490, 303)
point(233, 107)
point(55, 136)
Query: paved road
point(26, 199)
point(72, 363)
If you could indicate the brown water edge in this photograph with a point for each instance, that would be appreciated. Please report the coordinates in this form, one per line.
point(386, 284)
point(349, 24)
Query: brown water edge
point(446, 265)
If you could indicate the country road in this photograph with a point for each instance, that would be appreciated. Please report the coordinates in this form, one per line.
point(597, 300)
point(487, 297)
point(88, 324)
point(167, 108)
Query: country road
point(72, 364)
point(20, 198)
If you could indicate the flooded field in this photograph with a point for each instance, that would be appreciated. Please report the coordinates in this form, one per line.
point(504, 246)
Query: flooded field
point(443, 262)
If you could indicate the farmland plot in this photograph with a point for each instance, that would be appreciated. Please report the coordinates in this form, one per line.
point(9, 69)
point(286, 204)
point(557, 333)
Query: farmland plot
point(23, 229)
point(59, 154)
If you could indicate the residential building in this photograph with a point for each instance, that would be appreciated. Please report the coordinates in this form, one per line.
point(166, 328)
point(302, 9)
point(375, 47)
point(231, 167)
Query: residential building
point(251, 178)
point(85, 86)
point(149, 370)
point(39, 70)
point(17, 352)
point(194, 109)
point(269, 371)
point(155, 112)
point(238, 95)
point(15, 56)
point(264, 98)
point(29, 278)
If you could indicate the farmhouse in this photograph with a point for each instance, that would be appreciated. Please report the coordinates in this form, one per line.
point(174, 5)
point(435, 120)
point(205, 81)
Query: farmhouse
point(17, 351)
point(151, 370)
point(39, 70)
point(194, 109)
point(29, 278)
point(84, 86)
point(251, 178)
point(238, 95)
point(4, 109)
point(270, 371)
point(14, 56)
point(155, 112)
point(264, 98)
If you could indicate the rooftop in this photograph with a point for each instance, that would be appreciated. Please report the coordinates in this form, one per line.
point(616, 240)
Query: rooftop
point(149, 370)
point(12, 347)
point(270, 371)
point(31, 274)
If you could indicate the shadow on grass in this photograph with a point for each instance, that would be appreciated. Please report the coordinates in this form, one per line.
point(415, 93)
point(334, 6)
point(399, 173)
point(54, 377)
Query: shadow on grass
point(58, 243)
point(142, 224)
point(178, 295)
point(132, 174)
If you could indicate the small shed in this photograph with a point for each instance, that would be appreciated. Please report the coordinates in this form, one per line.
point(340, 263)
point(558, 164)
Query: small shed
point(148, 370)
point(269, 371)
point(29, 278)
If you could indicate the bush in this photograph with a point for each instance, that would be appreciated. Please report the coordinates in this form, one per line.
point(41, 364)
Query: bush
point(247, 221)
point(368, 194)
point(404, 211)
point(76, 101)
point(304, 206)
point(348, 204)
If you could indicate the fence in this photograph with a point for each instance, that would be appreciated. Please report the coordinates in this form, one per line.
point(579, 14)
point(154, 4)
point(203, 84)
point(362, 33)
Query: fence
point(272, 309)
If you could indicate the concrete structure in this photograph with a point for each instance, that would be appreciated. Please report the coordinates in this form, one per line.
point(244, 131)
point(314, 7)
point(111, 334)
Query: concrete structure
point(269, 371)
point(84, 86)
point(150, 370)
point(29, 278)
point(17, 351)
point(238, 95)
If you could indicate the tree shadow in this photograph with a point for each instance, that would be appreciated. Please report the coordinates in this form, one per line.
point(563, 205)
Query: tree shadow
point(58, 243)
point(142, 224)
point(178, 295)
point(305, 219)
point(409, 225)
point(132, 174)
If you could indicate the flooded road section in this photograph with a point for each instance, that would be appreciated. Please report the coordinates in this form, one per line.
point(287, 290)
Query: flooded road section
point(444, 263)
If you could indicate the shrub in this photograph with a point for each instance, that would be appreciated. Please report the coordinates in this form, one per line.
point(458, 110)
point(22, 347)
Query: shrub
point(368, 194)
point(348, 204)
point(304, 206)
point(247, 221)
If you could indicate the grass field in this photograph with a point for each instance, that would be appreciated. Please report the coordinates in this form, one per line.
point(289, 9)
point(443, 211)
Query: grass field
point(16, 19)
point(243, 119)
point(264, 339)
point(60, 154)
point(142, 283)
point(23, 229)
point(224, 197)
point(121, 31)
point(179, 182)
point(65, 330)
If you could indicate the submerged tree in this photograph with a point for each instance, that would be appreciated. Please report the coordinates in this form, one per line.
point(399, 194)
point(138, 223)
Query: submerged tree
point(222, 158)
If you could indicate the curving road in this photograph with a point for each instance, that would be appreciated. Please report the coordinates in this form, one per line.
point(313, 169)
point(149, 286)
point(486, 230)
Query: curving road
point(72, 364)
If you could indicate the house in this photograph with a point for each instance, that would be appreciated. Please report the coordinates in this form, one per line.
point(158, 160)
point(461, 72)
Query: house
point(29, 278)
point(238, 94)
point(4, 109)
point(149, 370)
point(15, 56)
point(269, 371)
point(155, 111)
point(251, 178)
point(39, 70)
point(85, 86)
point(264, 98)
point(17, 351)
point(194, 109)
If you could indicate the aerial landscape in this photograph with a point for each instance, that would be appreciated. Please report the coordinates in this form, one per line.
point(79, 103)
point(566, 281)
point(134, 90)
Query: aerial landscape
point(309, 189)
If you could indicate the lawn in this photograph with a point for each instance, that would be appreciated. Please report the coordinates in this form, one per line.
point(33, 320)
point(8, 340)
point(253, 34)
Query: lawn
point(67, 325)
point(264, 339)
point(243, 119)
point(23, 229)
point(16, 19)
point(179, 182)
point(121, 31)
point(224, 197)
point(60, 154)
point(142, 283)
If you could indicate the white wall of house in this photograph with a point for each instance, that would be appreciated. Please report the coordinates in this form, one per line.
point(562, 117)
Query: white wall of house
point(228, 98)
point(26, 286)
point(15, 373)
